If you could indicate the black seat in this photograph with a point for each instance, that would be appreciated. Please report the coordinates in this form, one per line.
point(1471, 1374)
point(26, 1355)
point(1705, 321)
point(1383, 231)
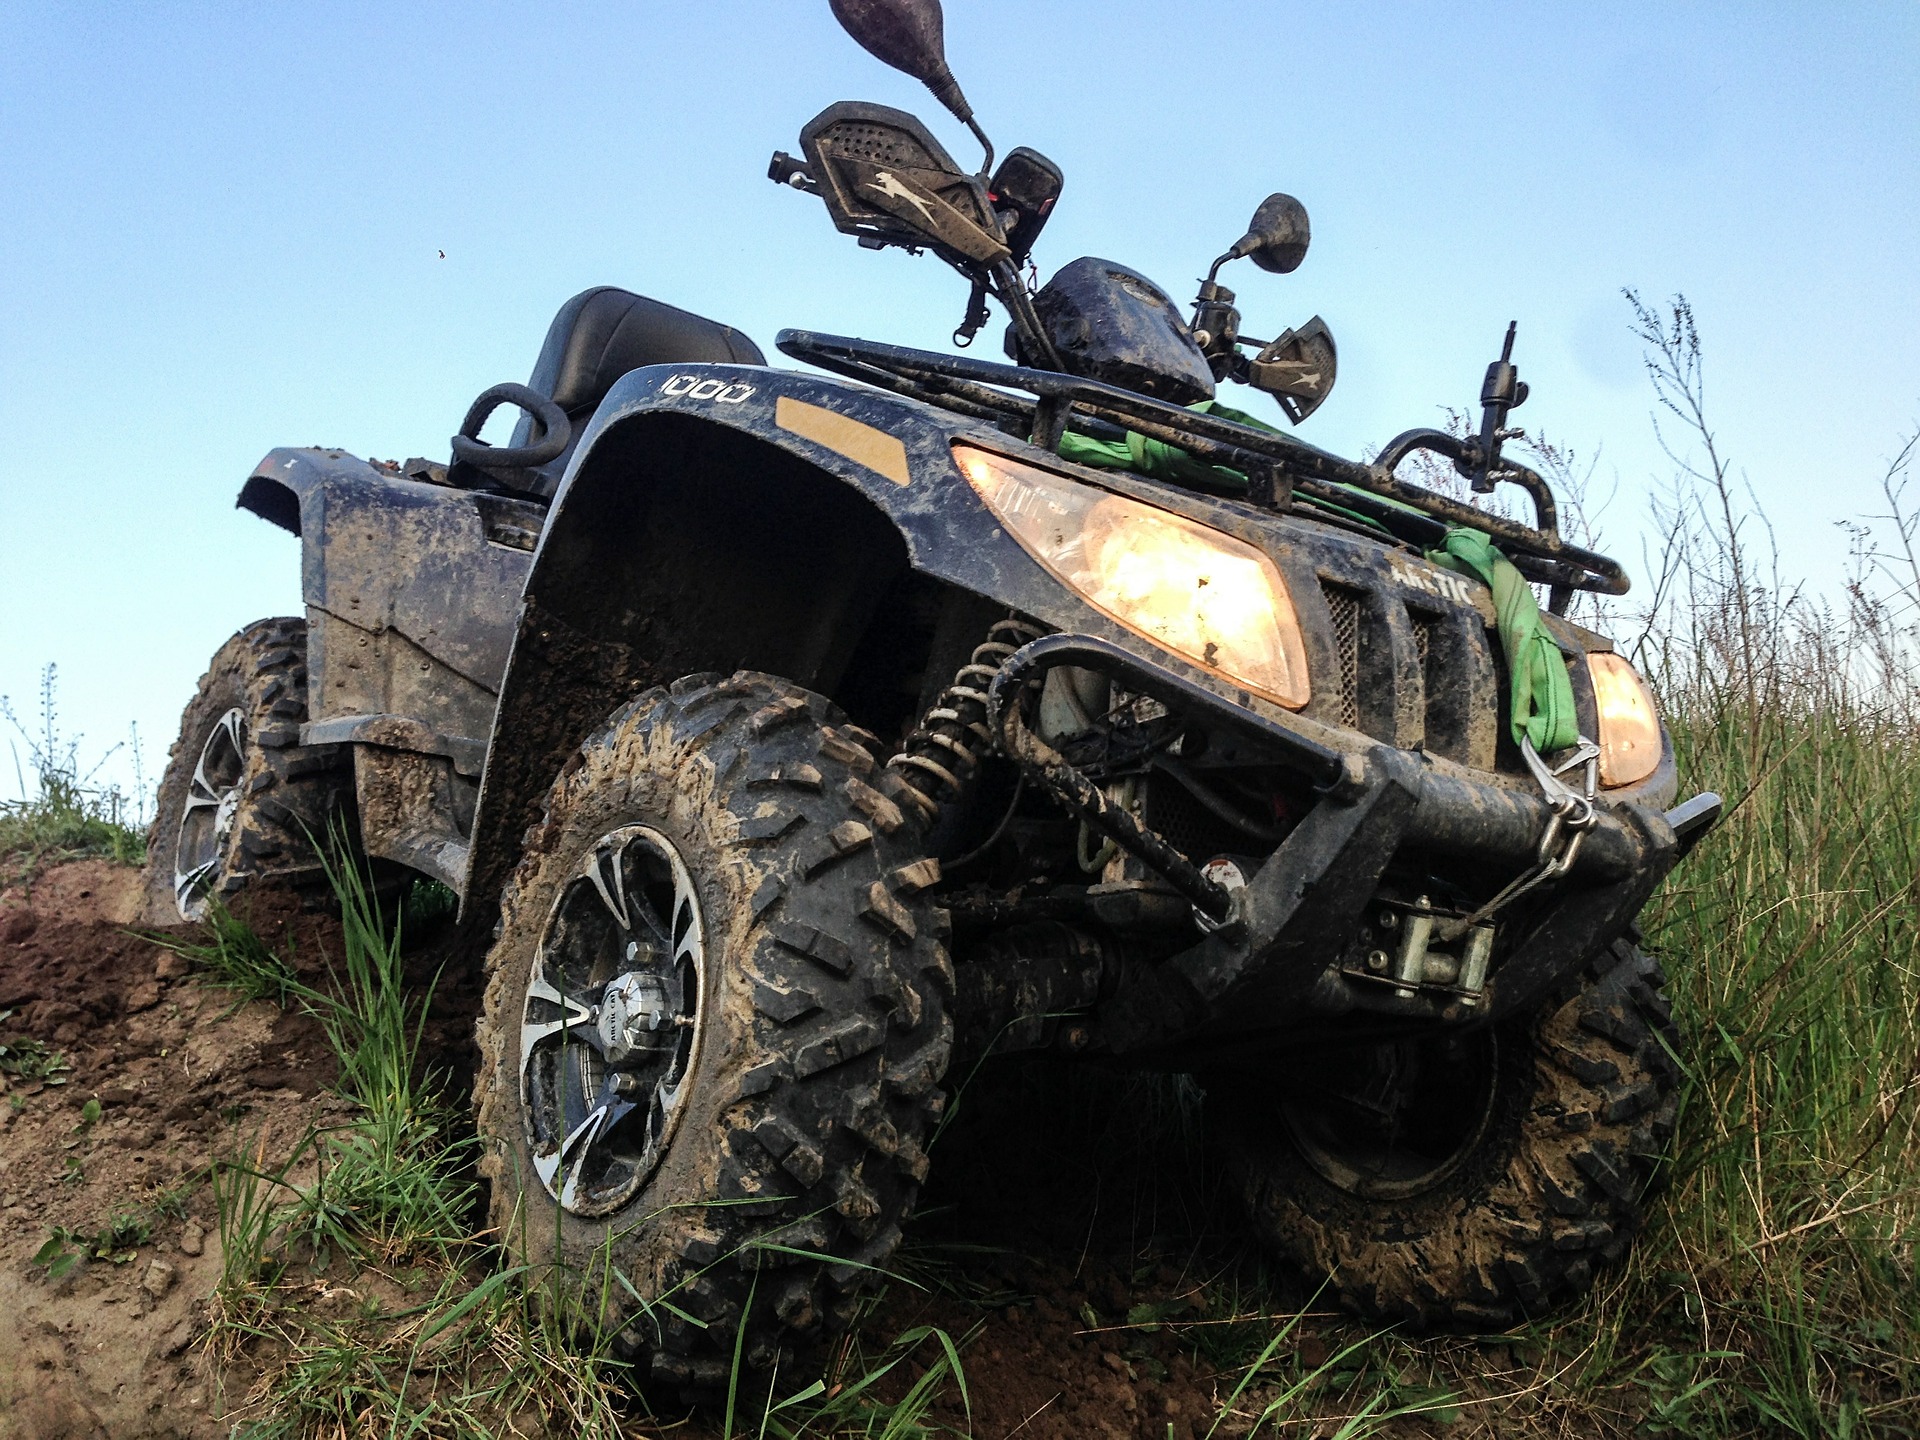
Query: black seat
point(601, 334)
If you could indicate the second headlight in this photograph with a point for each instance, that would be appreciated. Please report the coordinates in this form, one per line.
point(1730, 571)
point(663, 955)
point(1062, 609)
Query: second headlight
point(1213, 599)
point(1630, 743)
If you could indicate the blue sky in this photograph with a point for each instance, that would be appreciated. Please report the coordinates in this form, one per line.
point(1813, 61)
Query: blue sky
point(221, 227)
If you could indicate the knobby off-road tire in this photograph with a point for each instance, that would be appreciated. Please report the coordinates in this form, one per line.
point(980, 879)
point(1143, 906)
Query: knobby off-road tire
point(241, 795)
point(1518, 1193)
point(808, 995)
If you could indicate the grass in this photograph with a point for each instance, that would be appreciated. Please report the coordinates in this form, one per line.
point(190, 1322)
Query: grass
point(117, 1242)
point(231, 956)
point(28, 1059)
point(1775, 1291)
point(392, 1181)
point(400, 1171)
point(64, 814)
point(428, 1342)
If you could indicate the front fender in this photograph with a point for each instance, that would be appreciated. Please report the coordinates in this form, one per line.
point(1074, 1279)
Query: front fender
point(891, 452)
point(889, 460)
point(720, 517)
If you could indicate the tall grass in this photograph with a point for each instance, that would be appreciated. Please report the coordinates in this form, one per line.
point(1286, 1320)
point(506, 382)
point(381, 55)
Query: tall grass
point(231, 956)
point(64, 812)
point(398, 1170)
point(1776, 1290)
point(394, 1178)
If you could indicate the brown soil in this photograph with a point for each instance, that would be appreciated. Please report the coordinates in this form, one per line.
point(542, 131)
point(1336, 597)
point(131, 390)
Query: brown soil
point(1049, 1222)
point(179, 1073)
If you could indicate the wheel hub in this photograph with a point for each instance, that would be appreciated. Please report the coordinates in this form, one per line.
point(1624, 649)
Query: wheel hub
point(208, 814)
point(612, 1026)
point(635, 1018)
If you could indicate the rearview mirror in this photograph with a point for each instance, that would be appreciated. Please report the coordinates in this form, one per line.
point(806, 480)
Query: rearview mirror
point(1278, 235)
point(909, 35)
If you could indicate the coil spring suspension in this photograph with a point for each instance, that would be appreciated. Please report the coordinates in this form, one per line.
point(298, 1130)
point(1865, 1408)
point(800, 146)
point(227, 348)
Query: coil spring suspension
point(941, 756)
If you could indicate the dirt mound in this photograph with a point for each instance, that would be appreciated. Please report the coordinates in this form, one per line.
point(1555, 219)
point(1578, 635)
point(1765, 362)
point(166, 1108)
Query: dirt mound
point(107, 1156)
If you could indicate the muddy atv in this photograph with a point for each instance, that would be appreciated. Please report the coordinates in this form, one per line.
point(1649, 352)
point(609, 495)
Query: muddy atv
point(796, 738)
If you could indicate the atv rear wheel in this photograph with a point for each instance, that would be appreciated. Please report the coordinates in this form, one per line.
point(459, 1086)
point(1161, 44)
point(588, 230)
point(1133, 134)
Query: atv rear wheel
point(715, 1028)
point(1472, 1179)
point(242, 799)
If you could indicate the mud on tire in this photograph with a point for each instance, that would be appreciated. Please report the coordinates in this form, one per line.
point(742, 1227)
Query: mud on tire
point(241, 794)
point(1547, 1185)
point(821, 1029)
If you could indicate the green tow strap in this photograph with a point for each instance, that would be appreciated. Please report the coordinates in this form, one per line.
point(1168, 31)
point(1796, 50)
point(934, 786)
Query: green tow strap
point(1156, 459)
point(1541, 695)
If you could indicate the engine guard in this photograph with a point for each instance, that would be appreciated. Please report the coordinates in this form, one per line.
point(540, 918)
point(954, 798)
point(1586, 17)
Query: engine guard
point(1274, 966)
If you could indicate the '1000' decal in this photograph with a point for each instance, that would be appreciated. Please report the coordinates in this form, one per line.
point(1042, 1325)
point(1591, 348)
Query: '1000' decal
point(692, 387)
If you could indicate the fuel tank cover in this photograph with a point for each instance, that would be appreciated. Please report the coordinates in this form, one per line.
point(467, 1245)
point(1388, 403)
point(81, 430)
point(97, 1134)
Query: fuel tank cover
point(1113, 324)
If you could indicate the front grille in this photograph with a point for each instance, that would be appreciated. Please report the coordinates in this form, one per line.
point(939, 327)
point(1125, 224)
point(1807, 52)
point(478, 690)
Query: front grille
point(1187, 825)
point(1423, 625)
point(1407, 673)
point(1345, 606)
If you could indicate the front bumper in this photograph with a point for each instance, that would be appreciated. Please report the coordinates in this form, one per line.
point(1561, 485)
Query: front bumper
point(1278, 961)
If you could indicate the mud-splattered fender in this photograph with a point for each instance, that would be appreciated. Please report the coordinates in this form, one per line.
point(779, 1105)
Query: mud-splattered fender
point(719, 517)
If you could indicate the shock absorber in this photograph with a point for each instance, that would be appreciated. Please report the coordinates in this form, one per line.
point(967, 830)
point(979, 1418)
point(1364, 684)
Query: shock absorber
point(942, 755)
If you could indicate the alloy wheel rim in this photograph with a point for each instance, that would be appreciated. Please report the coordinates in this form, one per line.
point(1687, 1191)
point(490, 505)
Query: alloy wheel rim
point(206, 818)
point(613, 1020)
point(1398, 1119)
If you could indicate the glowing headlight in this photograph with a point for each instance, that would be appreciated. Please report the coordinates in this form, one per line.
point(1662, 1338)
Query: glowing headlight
point(1213, 599)
point(1629, 728)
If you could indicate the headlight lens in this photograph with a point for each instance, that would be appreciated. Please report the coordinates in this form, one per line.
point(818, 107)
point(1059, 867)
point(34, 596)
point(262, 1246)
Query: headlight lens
point(1207, 596)
point(1629, 728)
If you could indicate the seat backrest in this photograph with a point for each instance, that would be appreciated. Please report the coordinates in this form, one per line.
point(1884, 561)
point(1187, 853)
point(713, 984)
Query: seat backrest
point(601, 334)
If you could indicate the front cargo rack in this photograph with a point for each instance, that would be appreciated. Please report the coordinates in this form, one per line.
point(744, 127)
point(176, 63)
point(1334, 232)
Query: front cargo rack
point(1279, 468)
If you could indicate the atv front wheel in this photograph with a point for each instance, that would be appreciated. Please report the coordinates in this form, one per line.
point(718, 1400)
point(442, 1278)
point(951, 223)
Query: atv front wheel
point(242, 800)
point(1472, 1179)
point(715, 1028)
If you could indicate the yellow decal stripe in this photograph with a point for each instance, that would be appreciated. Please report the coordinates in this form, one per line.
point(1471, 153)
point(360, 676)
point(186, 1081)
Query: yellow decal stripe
point(863, 444)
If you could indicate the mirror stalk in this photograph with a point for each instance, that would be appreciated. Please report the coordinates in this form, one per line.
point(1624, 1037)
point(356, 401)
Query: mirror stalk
point(986, 165)
point(910, 35)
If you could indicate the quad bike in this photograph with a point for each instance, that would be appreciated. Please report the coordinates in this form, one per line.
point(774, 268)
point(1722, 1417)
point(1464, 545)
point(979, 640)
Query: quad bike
point(794, 739)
